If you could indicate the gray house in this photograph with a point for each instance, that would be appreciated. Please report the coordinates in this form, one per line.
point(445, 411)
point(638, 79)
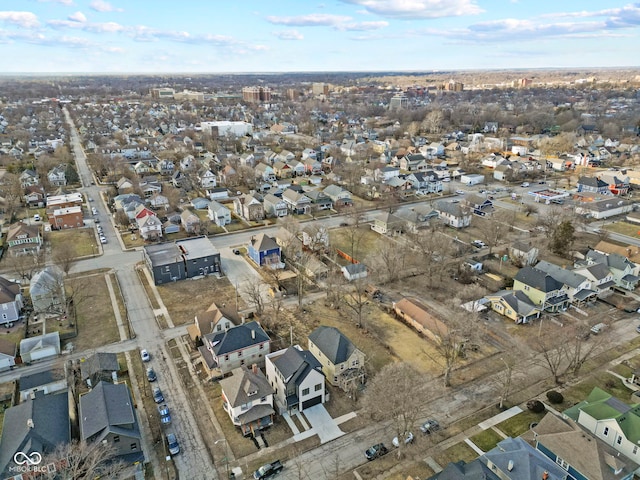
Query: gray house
point(47, 291)
point(218, 213)
point(107, 415)
point(101, 366)
point(188, 258)
point(10, 301)
point(38, 424)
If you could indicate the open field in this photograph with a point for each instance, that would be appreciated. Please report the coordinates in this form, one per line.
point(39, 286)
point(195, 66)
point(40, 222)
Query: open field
point(186, 298)
point(82, 241)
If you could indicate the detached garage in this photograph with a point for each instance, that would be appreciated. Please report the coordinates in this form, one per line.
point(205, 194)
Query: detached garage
point(40, 347)
point(8, 352)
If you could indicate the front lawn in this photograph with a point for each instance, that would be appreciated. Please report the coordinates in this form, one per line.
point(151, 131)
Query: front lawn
point(486, 440)
point(81, 241)
point(519, 424)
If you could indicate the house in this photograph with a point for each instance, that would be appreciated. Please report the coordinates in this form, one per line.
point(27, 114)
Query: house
point(23, 239)
point(338, 195)
point(149, 186)
point(29, 178)
point(265, 172)
point(40, 424)
point(591, 454)
point(515, 459)
point(11, 302)
point(593, 185)
point(157, 201)
point(264, 251)
point(107, 415)
point(40, 347)
point(296, 378)
point(477, 204)
point(187, 258)
point(617, 185)
point(542, 289)
point(624, 271)
point(100, 366)
point(190, 221)
point(602, 209)
point(425, 182)
point(297, 203)
point(417, 316)
point(523, 253)
point(420, 216)
point(46, 382)
point(233, 347)
point(248, 399)
point(388, 224)
point(207, 178)
point(576, 286)
point(453, 214)
point(47, 291)
point(311, 165)
point(514, 305)
point(124, 185)
point(342, 362)
point(57, 176)
point(219, 193)
point(150, 227)
point(275, 206)
point(609, 420)
point(282, 169)
point(213, 319)
point(34, 196)
point(67, 217)
point(461, 470)
point(218, 213)
point(249, 207)
point(319, 200)
point(354, 271)
point(165, 167)
point(8, 352)
point(385, 174)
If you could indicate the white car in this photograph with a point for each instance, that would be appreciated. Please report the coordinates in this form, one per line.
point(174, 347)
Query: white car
point(145, 355)
point(460, 192)
point(103, 240)
point(524, 184)
point(408, 438)
point(478, 244)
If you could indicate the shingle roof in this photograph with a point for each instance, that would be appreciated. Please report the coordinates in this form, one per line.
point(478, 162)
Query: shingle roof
point(107, 405)
point(263, 242)
point(295, 364)
point(237, 338)
point(529, 463)
point(244, 385)
point(8, 290)
point(99, 362)
point(537, 279)
point(332, 343)
point(568, 277)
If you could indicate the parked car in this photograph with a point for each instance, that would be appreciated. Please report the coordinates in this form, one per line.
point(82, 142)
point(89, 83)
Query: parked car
point(103, 240)
point(151, 375)
point(408, 438)
point(524, 184)
point(172, 442)
point(375, 451)
point(596, 329)
point(236, 251)
point(145, 355)
point(163, 411)
point(37, 218)
point(478, 244)
point(430, 426)
point(460, 192)
point(268, 470)
point(157, 395)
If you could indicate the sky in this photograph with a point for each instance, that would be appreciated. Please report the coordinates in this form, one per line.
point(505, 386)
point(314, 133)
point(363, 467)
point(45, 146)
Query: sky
point(215, 36)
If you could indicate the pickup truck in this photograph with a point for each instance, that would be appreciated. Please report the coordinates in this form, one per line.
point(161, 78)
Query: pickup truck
point(268, 470)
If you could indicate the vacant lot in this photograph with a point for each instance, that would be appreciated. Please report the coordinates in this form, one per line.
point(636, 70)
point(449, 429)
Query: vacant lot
point(625, 228)
point(94, 313)
point(362, 241)
point(82, 241)
point(186, 298)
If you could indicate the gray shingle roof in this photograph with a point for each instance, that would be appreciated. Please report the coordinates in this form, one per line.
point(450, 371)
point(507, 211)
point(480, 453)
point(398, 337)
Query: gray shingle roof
point(244, 385)
point(100, 362)
point(537, 279)
point(50, 416)
point(332, 343)
point(295, 364)
point(237, 338)
point(527, 463)
point(107, 405)
point(568, 277)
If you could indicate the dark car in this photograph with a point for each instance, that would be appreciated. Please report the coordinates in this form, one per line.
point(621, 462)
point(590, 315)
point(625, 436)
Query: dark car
point(236, 251)
point(375, 451)
point(172, 442)
point(151, 375)
point(157, 395)
point(429, 427)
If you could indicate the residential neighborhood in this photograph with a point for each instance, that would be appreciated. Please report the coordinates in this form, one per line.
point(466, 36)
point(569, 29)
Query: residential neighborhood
point(199, 280)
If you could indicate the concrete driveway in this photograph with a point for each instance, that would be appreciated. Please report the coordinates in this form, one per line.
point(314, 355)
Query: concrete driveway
point(241, 274)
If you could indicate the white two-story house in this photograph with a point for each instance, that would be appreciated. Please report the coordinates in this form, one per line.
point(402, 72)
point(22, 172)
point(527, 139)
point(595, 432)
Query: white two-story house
point(296, 378)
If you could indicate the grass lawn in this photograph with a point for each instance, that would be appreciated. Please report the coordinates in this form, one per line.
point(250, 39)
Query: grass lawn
point(604, 380)
point(366, 240)
point(81, 240)
point(131, 240)
point(624, 228)
point(172, 237)
point(215, 229)
point(622, 369)
point(486, 440)
point(94, 311)
point(200, 292)
point(519, 424)
point(236, 226)
point(457, 452)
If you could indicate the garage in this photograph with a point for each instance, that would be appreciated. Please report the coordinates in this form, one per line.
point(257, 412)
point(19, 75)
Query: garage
point(311, 402)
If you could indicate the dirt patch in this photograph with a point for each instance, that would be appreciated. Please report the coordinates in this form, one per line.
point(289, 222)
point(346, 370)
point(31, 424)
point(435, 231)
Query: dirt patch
point(200, 292)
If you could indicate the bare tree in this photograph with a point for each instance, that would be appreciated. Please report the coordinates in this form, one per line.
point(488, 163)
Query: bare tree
point(504, 379)
point(551, 352)
point(355, 299)
point(81, 460)
point(65, 257)
point(494, 228)
point(578, 349)
point(25, 266)
point(252, 287)
point(397, 394)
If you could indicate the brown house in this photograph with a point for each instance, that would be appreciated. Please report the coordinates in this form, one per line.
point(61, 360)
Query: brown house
point(416, 315)
point(67, 217)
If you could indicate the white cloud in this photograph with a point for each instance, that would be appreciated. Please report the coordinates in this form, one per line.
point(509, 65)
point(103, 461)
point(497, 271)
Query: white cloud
point(21, 19)
point(289, 35)
point(61, 2)
point(412, 9)
point(77, 17)
point(363, 26)
point(311, 20)
point(103, 6)
point(105, 27)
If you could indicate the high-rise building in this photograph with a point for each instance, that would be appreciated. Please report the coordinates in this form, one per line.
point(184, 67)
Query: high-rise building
point(256, 94)
point(319, 88)
point(452, 86)
point(399, 101)
point(162, 92)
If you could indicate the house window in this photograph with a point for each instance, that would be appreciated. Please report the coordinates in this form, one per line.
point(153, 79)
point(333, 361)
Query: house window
point(605, 431)
point(635, 450)
point(261, 346)
point(562, 463)
point(318, 387)
point(619, 440)
point(219, 327)
point(242, 362)
point(4, 316)
point(526, 287)
point(305, 391)
point(116, 438)
point(134, 446)
point(240, 353)
point(226, 357)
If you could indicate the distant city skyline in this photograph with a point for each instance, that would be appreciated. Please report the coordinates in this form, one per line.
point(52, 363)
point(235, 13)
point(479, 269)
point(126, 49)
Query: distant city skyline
point(143, 36)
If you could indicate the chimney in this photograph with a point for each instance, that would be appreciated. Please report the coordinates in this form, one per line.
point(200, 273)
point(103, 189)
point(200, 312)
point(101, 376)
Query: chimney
point(30, 423)
point(545, 475)
point(510, 465)
point(253, 334)
point(254, 368)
